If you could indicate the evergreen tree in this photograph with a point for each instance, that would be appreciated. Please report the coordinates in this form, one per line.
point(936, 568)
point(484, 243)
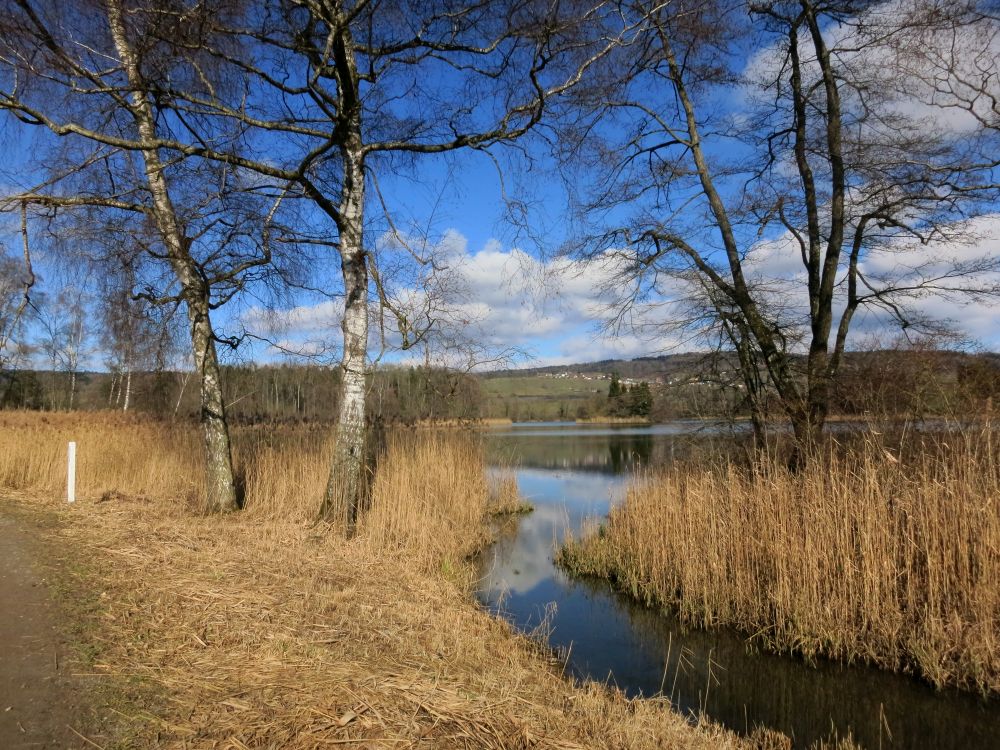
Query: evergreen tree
point(642, 400)
point(616, 397)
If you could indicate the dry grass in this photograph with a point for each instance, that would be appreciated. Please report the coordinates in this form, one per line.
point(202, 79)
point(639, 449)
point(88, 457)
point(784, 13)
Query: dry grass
point(504, 496)
point(429, 501)
point(866, 555)
point(261, 630)
point(115, 452)
point(283, 468)
point(436, 424)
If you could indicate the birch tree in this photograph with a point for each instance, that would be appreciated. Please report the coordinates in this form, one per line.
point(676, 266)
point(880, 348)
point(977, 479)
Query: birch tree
point(775, 182)
point(339, 93)
point(66, 338)
point(89, 74)
point(17, 280)
point(136, 334)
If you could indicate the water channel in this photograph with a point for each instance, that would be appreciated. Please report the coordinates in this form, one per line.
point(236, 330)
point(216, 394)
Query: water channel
point(571, 473)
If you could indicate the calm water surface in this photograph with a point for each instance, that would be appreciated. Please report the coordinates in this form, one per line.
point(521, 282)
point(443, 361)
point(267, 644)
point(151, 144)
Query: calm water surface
point(571, 473)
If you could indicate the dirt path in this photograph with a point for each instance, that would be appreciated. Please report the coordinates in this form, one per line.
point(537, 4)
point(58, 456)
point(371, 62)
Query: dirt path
point(39, 702)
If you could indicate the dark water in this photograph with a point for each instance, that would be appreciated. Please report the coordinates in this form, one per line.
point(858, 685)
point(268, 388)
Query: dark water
point(571, 473)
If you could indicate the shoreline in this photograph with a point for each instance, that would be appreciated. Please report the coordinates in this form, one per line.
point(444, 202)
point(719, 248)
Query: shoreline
point(263, 629)
point(813, 562)
point(389, 654)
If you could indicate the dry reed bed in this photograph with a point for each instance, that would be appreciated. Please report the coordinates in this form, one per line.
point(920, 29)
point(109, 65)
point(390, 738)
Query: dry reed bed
point(283, 468)
point(261, 630)
point(864, 556)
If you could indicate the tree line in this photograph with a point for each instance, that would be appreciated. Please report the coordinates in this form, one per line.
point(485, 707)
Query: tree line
point(253, 393)
point(759, 177)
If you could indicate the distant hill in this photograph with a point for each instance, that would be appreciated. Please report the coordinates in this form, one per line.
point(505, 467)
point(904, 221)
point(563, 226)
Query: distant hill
point(692, 364)
point(659, 368)
point(696, 384)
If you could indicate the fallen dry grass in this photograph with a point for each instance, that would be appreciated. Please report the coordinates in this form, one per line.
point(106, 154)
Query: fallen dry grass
point(259, 629)
point(888, 557)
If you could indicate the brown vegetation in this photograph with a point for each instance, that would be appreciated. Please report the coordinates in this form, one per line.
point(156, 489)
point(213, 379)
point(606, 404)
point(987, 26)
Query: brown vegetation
point(613, 420)
point(259, 629)
point(889, 557)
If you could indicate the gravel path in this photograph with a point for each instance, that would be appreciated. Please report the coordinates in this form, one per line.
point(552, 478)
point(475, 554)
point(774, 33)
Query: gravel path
point(38, 702)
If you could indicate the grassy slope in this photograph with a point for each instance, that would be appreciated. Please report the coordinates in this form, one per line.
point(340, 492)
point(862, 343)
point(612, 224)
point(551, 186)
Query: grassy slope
point(540, 386)
point(261, 630)
point(535, 397)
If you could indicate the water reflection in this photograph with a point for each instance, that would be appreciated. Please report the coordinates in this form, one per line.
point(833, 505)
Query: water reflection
point(615, 450)
point(576, 477)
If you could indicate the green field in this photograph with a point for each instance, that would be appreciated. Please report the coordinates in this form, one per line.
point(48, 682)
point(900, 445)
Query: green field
point(540, 386)
point(537, 397)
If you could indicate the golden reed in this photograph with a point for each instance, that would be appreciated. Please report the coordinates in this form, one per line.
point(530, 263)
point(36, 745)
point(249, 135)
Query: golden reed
point(262, 629)
point(867, 555)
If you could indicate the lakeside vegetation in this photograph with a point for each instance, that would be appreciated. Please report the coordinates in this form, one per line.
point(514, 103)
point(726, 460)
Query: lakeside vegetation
point(882, 551)
point(262, 629)
point(894, 383)
point(270, 225)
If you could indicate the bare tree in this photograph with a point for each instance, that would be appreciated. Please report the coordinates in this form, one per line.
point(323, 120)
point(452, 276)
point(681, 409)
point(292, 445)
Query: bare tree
point(66, 337)
point(768, 172)
point(950, 60)
point(92, 75)
point(17, 280)
point(136, 334)
point(338, 93)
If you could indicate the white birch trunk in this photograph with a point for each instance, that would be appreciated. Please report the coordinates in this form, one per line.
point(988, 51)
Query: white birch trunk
point(345, 486)
point(128, 388)
point(220, 487)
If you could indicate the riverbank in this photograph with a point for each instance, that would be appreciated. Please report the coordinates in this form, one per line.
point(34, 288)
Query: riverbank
point(870, 555)
point(470, 424)
point(259, 629)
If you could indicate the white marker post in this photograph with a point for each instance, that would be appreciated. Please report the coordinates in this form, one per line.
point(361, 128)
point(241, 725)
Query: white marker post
point(71, 474)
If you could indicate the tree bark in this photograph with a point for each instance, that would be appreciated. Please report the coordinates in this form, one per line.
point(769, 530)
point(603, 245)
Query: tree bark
point(128, 389)
point(346, 483)
point(220, 487)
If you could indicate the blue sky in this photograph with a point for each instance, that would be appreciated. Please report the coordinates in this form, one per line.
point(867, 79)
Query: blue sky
point(508, 287)
point(515, 290)
point(521, 293)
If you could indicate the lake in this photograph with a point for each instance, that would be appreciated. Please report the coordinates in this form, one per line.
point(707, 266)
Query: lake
point(572, 473)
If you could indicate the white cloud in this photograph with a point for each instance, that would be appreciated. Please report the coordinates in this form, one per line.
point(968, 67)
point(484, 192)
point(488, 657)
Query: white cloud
point(777, 265)
point(316, 319)
point(923, 75)
point(555, 309)
point(500, 298)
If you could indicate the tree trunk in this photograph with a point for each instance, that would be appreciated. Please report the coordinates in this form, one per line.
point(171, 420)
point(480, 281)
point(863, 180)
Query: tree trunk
point(220, 486)
point(758, 421)
point(807, 430)
point(750, 372)
point(128, 388)
point(346, 483)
